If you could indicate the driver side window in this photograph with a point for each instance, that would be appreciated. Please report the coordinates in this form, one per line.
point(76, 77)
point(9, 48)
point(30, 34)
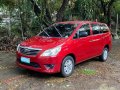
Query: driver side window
point(84, 31)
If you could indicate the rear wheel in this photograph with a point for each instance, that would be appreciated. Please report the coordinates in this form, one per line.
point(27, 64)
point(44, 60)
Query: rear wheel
point(104, 55)
point(67, 66)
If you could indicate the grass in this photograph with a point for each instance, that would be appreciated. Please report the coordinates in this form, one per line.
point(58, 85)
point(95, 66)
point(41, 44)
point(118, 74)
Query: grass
point(88, 72)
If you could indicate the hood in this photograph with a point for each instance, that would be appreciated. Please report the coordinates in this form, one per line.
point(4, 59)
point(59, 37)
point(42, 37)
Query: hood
point(43, 42)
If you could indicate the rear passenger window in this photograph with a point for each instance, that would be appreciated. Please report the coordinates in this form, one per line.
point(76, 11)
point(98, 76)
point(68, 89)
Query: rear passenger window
point(96, 28)
point(104, 28)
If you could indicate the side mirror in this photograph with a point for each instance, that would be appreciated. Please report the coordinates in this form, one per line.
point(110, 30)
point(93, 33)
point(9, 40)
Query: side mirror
point(83, 34)
point(75, 36)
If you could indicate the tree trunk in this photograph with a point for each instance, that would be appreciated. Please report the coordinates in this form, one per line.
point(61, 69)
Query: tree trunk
point(48, 15)
point(117, 22)
point(61, 11)
point(109, 12)
point(106, 7)
point(108, 17)
point(37, 11)
point(36, 8)
point(9, 26)
point(47, 10)
point(21, 24)
point(103, 7)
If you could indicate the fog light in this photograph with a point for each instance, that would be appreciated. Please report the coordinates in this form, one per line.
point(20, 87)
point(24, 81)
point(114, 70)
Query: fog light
point(49, 66)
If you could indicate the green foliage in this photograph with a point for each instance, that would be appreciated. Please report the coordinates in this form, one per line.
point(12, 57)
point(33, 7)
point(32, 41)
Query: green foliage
point(24, 22)
point(8, 3)
point(85, 10)
point(117, 6)
point(88, 72)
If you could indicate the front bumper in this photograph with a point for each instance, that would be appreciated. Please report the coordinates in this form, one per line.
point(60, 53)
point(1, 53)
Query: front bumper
point(40, 64)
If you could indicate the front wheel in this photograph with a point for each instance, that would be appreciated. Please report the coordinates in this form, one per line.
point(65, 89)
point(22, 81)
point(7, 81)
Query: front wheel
point(104, 55)
point(67, 66)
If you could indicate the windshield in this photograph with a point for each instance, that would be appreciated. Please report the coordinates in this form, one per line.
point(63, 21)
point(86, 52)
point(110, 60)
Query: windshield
point(59, 30)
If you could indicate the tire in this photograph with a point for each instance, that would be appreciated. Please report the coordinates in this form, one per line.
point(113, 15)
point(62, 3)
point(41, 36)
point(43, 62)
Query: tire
point(104, 55)
point(67, 66)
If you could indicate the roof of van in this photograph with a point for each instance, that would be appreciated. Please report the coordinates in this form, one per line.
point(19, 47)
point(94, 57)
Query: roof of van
point(78, 22)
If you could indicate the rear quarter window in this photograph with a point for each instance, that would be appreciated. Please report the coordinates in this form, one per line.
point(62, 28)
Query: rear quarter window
point(104, 28)
point(96, 29)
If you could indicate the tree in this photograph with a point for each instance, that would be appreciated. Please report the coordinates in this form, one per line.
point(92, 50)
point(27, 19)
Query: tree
point(61, 11)
point(106, 6)
point(9, 6)
point(42, 12)
point(30, 15)
point(85, 10)
point(116, 6)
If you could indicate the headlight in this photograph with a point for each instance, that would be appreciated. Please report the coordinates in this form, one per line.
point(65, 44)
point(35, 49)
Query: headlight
point(18, 47)
point(52, 52)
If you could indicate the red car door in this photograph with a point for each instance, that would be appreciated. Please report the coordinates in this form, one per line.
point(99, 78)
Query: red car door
point(97, 39)
point(82, 44)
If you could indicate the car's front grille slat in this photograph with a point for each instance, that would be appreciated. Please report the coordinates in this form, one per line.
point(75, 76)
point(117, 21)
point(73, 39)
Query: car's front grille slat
point(28, 51)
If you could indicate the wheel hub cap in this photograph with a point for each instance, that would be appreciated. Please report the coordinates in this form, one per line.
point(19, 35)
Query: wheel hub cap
point(68, 66)
point(105, 54)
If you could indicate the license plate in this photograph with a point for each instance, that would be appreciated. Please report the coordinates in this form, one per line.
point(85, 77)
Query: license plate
point(25, 60)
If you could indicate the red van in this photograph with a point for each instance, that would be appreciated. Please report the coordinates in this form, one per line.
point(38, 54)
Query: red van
point(61, 46)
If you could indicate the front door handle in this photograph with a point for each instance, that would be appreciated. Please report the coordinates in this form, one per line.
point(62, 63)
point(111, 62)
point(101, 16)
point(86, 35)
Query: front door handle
point(94, 40)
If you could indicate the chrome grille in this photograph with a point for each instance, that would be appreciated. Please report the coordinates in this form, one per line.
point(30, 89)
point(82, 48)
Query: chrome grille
point(28, 51)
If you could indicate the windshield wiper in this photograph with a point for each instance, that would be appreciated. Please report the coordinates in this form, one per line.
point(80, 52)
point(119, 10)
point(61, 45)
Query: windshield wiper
point(58, 31)
point(45, 31)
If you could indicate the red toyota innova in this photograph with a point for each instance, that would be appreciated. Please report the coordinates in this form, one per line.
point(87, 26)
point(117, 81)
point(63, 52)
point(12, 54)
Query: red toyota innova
point(61, 46)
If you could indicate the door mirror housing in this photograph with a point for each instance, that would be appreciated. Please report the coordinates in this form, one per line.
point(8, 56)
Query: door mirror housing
point(76, 36)
point(83, 34)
